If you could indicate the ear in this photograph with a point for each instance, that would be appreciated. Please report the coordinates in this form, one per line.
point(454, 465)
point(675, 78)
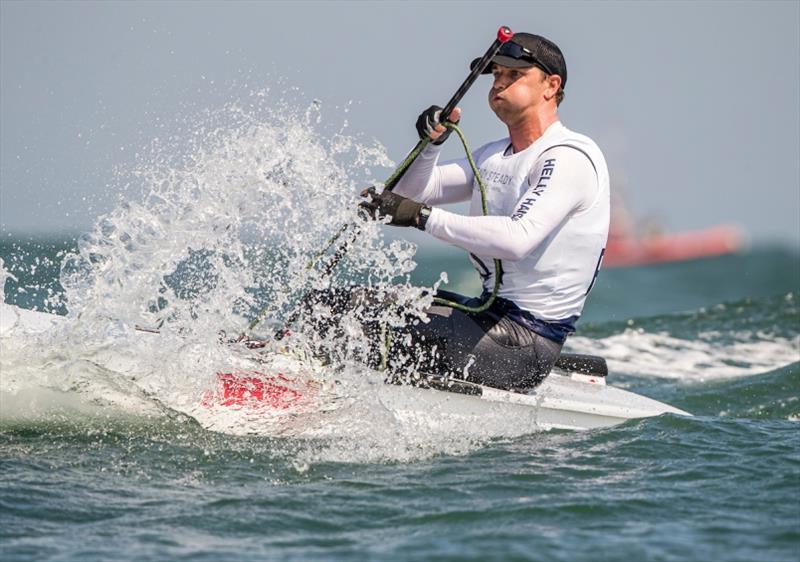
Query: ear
point(553, 84)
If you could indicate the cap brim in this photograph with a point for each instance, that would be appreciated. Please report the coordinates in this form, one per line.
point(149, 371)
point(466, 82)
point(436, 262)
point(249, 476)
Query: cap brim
point(503, 60)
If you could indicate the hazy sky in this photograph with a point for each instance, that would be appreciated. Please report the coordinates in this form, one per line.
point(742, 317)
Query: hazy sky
point(696, 104)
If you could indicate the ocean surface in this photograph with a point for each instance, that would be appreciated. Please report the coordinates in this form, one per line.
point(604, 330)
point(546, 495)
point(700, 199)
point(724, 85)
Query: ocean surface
point(103, 455)
point(717, 337)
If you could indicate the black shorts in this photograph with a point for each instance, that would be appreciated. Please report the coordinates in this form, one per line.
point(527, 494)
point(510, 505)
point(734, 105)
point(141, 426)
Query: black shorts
point(485, 348)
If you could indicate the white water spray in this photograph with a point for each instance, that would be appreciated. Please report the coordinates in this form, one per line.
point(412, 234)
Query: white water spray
point(225, 226)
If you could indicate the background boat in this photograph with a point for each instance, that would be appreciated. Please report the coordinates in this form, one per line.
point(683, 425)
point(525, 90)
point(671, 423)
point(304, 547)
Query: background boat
point(634, 242)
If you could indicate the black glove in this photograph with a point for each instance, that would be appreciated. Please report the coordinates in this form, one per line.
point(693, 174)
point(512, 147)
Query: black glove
point(403, 211)
point(427, 121)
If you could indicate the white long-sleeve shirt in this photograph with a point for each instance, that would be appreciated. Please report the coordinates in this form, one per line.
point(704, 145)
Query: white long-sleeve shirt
point(548, 216)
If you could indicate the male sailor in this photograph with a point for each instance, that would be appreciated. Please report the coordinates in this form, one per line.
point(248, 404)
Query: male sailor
point(547, 195)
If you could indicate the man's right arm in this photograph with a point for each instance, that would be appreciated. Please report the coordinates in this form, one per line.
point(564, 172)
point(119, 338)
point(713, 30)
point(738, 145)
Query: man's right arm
point(428, 183)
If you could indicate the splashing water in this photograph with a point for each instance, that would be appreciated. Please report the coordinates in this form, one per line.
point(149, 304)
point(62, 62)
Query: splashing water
point(223, 230)
point(4, 276)
point(227, 227)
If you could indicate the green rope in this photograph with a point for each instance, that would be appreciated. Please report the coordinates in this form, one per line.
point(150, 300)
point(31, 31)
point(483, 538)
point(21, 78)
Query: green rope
point(392, 181)
point(386, 335)
point(313, 261)
point(497, 264)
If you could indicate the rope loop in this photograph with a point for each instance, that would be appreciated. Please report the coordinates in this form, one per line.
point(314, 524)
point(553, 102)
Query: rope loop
point(498, 266)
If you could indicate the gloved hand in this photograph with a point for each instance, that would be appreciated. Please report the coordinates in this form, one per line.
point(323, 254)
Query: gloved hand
point(428, 123)
point(403, 211)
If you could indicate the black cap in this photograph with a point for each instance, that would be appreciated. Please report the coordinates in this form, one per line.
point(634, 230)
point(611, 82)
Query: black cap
point(525, 50)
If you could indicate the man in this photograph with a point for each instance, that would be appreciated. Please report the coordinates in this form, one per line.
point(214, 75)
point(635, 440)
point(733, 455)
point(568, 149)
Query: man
point(548, 216)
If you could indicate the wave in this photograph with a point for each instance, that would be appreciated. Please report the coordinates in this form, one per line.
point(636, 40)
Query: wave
point(736, 339)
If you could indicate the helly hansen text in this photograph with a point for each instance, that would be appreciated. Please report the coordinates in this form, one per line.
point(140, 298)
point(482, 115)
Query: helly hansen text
point(535, 191)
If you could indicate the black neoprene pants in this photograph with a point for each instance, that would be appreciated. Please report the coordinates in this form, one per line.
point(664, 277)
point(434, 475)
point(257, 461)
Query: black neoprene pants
point(486, 348)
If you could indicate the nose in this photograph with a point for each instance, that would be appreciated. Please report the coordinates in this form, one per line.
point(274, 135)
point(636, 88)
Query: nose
point(500, 82)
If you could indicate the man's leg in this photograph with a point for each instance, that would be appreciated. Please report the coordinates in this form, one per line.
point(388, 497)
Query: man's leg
point(480, 348)
point(483, 348)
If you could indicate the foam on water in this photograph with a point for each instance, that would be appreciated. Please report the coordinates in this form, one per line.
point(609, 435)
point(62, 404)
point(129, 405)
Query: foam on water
point(741, 338)
point(636, 352)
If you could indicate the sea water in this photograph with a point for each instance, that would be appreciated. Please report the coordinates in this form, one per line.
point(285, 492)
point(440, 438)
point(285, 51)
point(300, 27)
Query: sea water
point(105, 455)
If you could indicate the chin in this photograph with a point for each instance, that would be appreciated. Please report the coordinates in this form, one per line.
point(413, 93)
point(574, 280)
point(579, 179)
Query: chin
point(499, 111)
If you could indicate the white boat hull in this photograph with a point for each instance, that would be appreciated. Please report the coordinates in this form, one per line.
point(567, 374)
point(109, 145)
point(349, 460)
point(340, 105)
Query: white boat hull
point(563, 400)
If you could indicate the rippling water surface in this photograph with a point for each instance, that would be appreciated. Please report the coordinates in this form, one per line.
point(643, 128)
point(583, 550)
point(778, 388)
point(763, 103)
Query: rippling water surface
point(104, 455)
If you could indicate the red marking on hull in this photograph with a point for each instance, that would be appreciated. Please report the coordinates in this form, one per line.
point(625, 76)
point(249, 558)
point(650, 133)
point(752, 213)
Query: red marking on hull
point(254, 389)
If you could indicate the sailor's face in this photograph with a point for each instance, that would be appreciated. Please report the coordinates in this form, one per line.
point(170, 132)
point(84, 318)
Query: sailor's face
point(516, 89)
